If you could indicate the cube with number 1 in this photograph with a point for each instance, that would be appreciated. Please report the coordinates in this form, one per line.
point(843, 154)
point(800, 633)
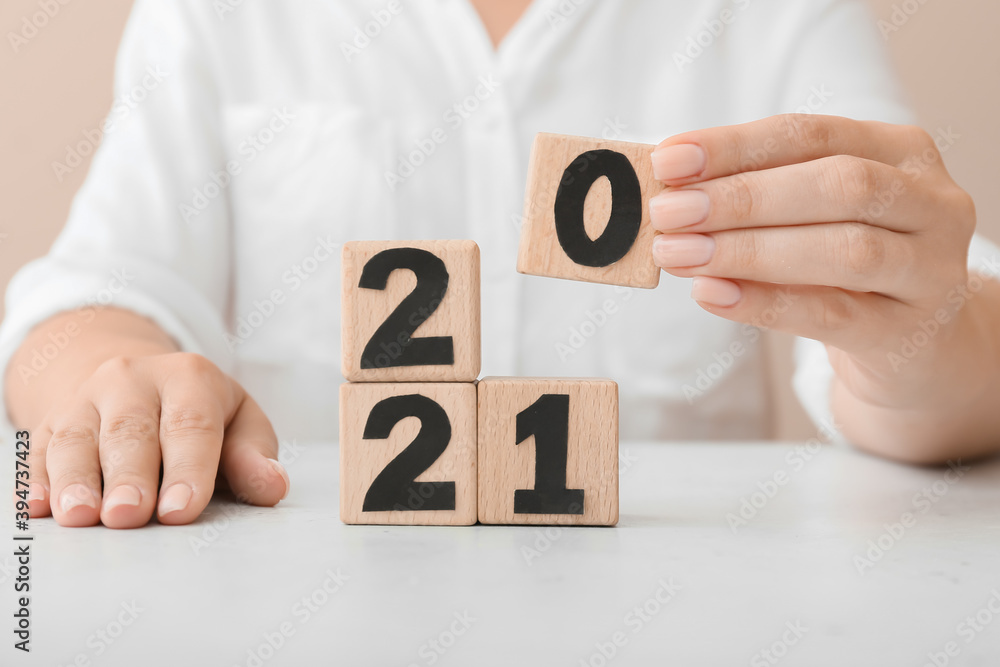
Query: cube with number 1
point(548, 451)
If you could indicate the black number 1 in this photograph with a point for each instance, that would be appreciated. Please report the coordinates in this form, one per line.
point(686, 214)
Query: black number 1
point(548, 420)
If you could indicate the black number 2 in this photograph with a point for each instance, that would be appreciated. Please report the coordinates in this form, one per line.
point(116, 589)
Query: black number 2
point(626, 208)
point(548, 420)
point(393, 344)
point(395, 488)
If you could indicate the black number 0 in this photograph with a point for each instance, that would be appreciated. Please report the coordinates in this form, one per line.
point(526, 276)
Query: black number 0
point(626, 208)
point(548, 420)
point(393, 344)
point(395, 487)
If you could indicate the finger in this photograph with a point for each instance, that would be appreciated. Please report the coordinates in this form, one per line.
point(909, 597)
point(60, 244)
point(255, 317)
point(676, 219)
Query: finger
point(831, 189)
point(130, 456)
point(786, 139)
point(74, 467)
point(852, 256)
point(843, 319)
point(39, 494)
point(250, 457)
point(196, 402)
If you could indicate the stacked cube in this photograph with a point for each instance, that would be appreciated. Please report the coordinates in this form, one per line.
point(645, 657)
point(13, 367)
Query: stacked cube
point(421, 440)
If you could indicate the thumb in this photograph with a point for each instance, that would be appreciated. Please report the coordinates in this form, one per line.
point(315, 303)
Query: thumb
point(249, 458)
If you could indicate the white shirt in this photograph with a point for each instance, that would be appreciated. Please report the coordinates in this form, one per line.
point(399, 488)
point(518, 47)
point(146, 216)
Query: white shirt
point(252, 138)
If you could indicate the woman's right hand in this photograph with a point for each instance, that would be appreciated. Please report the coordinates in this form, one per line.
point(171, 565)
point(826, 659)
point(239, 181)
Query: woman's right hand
point(98, 452)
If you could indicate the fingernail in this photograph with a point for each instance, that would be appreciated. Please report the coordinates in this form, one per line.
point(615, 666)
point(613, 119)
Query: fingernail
point(715, 291)
point(680, 161)
point(126, 494)
point(680, 208)
point(75, 495)
point(37, 491)
point(682, 250)
point(280, 469)
point(175, 498)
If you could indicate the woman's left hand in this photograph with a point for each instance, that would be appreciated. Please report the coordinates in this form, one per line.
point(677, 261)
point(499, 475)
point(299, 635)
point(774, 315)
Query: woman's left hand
point(849, 232)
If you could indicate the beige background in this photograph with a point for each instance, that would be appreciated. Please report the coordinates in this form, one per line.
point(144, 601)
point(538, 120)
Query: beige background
point(59, 85)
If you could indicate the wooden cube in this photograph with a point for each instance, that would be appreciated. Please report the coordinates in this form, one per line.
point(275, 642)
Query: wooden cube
point(548, 451)
point(586, 212)
point(410, 311)
point(408, 453)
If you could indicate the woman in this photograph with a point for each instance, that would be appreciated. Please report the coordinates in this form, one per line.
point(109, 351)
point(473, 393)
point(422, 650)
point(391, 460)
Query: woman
point(211, 218)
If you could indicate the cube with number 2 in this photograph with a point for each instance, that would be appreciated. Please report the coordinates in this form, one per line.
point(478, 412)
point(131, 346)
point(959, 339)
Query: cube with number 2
point(410, 311)
point(408, 453)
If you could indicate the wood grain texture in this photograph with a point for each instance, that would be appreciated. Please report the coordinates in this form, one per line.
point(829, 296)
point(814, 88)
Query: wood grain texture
point(592, 454)
point(362, 460)
point(365, 310)
point(540, 252)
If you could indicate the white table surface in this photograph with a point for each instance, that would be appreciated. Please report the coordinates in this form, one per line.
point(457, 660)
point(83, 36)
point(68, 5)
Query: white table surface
point(793, 564)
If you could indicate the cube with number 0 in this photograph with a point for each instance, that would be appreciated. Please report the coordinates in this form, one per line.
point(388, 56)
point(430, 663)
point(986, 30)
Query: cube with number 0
point(408, 453)
point(410, 311)
point(548, 451)
point(586, 212)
